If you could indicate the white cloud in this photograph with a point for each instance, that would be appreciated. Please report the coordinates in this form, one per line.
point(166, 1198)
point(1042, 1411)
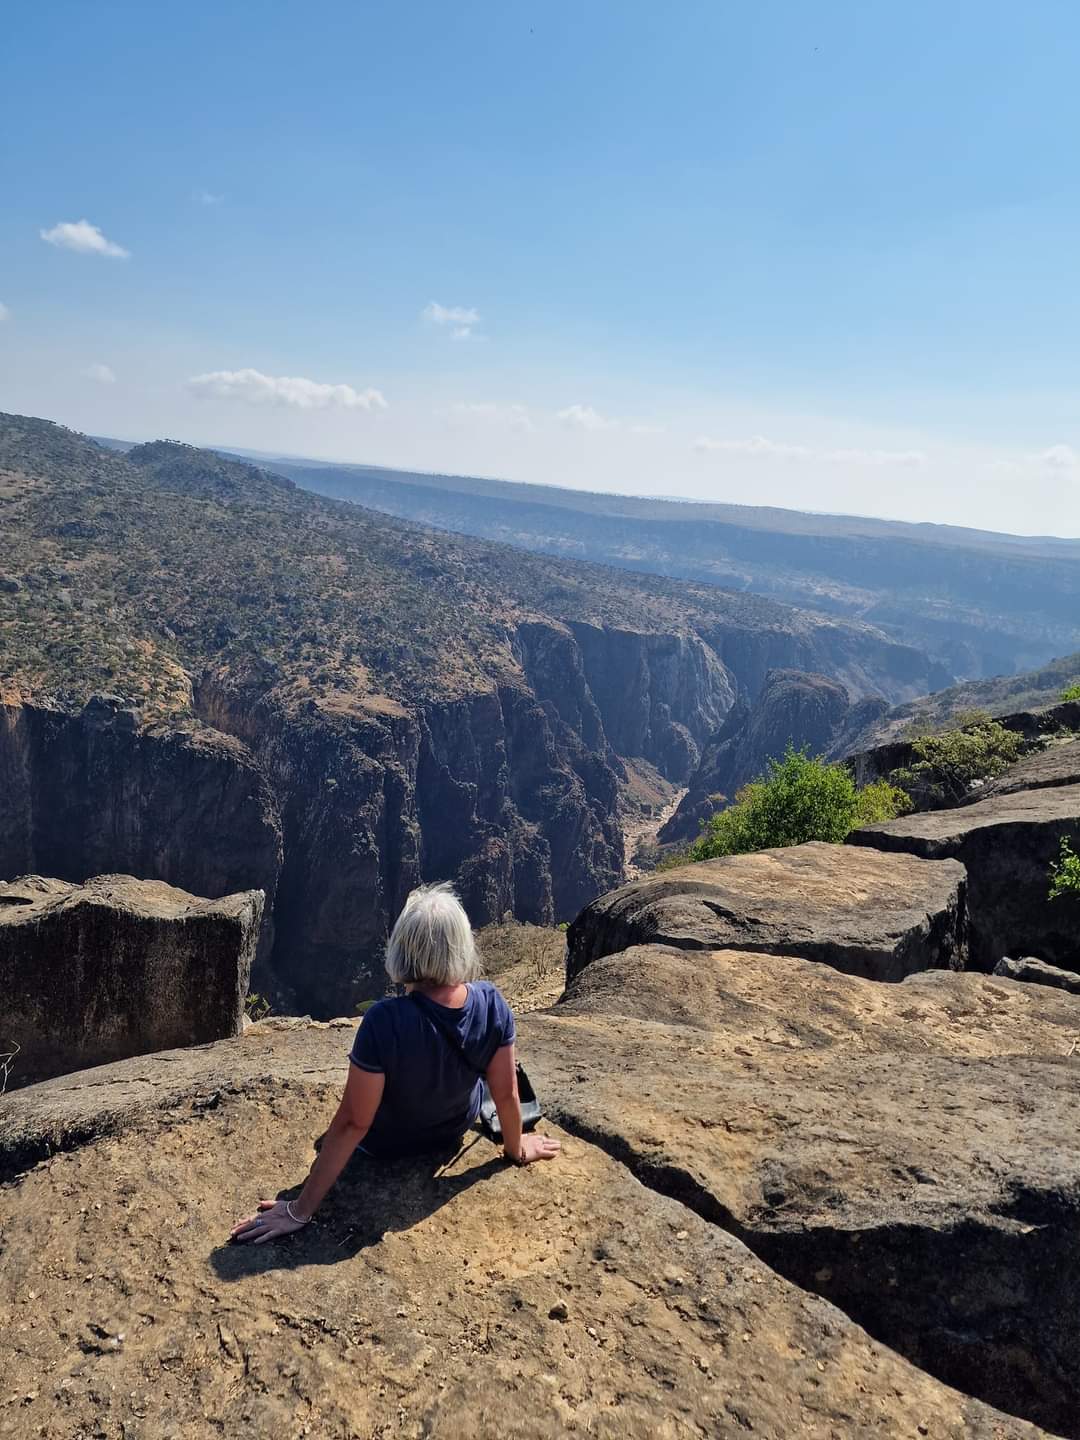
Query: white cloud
point(516, 417)
point(876, 457)
point(1059, 457)
point(5, 313)
point(584, 417)
point(84, 238)
point(647, 429)
point(207, 197)
point(462, 319)
point(295, 391)
point(759, 447)
point(101, 373)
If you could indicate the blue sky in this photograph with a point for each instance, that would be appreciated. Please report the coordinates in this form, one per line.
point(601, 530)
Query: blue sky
point(823, 256)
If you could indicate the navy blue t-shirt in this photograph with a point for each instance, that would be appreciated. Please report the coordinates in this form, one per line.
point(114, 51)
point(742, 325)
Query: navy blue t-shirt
point(432, 1093)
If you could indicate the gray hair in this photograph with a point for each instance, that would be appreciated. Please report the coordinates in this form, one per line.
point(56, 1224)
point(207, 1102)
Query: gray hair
point(432, 941)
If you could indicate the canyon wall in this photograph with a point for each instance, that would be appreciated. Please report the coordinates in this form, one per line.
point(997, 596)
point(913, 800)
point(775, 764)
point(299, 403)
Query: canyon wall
point(91, 794)
point(336, 810)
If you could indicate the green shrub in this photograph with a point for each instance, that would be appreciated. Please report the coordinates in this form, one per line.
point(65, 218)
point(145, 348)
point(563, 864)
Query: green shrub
point(256, 1007)
point(799, 798)
point(1071, 692)
point(1065, 872)
point(946, 766)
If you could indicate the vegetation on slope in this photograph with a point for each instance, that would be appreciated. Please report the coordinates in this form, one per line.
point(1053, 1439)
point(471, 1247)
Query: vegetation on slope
point(133, 572)
point(948, 765)
point(798, 798)
point(1065, 872)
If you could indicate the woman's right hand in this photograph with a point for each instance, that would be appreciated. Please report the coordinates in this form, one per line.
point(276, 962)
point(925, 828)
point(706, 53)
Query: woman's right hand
point(537, 1147)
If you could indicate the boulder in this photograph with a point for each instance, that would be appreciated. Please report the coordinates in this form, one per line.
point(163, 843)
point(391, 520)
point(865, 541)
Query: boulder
point(436, 1299)
point(1036, 973)
point(907, 1151)
point(1058, 764)
point(118, 967)
point(879, 917)
point(1007, 844)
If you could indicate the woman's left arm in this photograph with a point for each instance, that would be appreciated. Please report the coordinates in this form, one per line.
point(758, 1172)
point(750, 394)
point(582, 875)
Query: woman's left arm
point(363, 1094)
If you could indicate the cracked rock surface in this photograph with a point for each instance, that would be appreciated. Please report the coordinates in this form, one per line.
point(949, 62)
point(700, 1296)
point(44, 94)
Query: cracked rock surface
point(461, 1299)
point(909, 1151)
point(880, 916)
point(1007, 844)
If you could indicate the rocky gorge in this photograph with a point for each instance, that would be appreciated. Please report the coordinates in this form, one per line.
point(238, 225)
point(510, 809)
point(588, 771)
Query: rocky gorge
point(212, 678)
point(819, 1177)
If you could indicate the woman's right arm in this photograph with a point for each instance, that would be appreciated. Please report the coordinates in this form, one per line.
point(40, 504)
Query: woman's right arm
point(502, 1082)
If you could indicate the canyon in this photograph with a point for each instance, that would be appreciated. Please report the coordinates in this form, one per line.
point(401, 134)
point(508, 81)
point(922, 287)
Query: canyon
point(212, 678)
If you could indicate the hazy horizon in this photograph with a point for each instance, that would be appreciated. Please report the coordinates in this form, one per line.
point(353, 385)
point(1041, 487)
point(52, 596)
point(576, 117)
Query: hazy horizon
point(821, 261)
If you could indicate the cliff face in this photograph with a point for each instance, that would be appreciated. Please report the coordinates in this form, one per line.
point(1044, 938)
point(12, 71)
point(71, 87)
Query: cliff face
point(330, 705)
point(512, 792)
point(118, 967)
point(87, 794)
point(792, 708)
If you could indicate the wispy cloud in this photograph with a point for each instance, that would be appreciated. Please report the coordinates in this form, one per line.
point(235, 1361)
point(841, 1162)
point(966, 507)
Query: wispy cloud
point(1059, 457)
point(103, 374)
point(910, 458)
point(584, 417)
point(207, 197)
point(515, 417)
point(461, 320)
point(5, 313)
point(291, 390)
point(84, 239)
point(759, 447)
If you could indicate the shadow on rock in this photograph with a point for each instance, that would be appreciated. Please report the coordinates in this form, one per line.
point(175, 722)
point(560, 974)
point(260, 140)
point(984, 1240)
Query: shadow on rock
point(371, 1198)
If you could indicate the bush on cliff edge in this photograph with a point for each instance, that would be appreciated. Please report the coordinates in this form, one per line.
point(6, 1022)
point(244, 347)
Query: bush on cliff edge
point(1065, 872)
point(945, 767)
point(799, 798)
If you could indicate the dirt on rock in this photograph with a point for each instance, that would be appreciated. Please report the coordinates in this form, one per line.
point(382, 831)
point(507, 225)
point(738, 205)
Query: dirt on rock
point(459, 1299)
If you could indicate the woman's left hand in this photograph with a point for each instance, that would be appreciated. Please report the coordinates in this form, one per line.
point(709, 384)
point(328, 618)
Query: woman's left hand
point(270, 1222)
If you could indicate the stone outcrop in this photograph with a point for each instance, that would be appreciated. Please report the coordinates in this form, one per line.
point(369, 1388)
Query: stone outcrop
point(1036, 972)
point(430, 1299)
point(118, 967)
point(1058, 764)
point(91, 794)
point(874, 751)
point(907, 1151)
point(792, 709)
point(882, 917)
point(1007, 844)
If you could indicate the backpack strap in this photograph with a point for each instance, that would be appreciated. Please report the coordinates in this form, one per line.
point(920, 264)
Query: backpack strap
point(448, 1035)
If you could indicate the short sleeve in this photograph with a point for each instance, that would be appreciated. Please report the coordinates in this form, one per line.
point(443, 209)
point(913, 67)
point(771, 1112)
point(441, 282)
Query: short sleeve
point(503, 1018)
point(367, 1052)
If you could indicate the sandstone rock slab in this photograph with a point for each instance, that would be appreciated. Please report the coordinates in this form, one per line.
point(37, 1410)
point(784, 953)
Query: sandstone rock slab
point(1007, 844)
point(1034, 972)
point(909, 1151)
point(429, 1301)
point(1058, 764)
point(883, 918)
point(118, 967)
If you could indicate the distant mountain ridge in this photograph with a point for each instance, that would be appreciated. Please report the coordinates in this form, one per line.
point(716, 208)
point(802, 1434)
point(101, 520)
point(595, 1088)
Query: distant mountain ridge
point(981, 603)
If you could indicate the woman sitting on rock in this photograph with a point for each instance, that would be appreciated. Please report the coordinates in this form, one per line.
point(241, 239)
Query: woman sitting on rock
point(414, 1082)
